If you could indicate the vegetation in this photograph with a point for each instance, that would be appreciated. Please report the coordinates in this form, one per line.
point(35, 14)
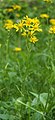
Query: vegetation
point(27, 60)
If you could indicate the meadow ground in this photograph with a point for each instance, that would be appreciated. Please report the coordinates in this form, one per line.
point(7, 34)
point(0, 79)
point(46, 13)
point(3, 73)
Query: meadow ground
point(27, 59)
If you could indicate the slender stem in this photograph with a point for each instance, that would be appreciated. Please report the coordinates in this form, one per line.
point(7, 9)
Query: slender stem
point(30, 107)
point(7, 46)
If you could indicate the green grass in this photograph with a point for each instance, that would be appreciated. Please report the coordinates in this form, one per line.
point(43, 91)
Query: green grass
point(27, 78)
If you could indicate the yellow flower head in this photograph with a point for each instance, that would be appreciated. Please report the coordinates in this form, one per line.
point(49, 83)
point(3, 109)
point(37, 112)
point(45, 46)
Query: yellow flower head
point(20, 25)
point(9, 10)
point(16, 27)
point(17, 49)
point(44, 16)
point(24, 34)
point(48, 1)
point(30, 33)
point(35, 21)
point(8, 24)
point(33, 39)
point(35, 28)
point(17, 15)
point(52, 29)
point(27, 21)
point(52, 21)
point(18, 7)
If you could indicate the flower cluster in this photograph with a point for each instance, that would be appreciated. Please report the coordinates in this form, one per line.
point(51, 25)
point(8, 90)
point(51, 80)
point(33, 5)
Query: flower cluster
point(13, 7)
point(28, 27)
point(13, 11)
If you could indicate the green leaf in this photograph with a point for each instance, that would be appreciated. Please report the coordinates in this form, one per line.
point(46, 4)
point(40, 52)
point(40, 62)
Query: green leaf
point(43, 98)
point(34, 102)
point(37, 116)
point(36, 95)
point(6, 117)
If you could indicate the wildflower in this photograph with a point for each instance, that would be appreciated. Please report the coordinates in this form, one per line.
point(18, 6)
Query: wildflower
point(8, 24)
point(48, 1)
point(16, 27)
point(44, 16)
point(52, 21)
point(35, 28)
point(30, 33)
point(33, 39)
point(20, 25)
point(30, 22)
point(27, 21)
point(9, 10)
point(28, 27)
point(17, 49)
point(52, 29)
point(35, 21)
point(24, 34)
point(16, 7)
point(17, 15)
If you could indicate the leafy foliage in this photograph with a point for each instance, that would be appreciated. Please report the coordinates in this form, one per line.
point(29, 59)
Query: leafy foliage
point(27, 69)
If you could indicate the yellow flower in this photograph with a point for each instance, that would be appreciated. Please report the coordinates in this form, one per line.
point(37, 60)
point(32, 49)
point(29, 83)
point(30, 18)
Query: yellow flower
point(30, 22)
point(28, 27)
point(16, 7)
point(8, 24)
point(17, 15)
point(35, 21)
point(52, 29)
point(27, 21)
point(33, 39)
point(44, 16)
point(35, 28)
point(48, 1)
point(20, 25)
point(9, 10)
point(52, 21)
point(24, 34)
point(30, 33)
point(16, 27)
point(17, 49)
